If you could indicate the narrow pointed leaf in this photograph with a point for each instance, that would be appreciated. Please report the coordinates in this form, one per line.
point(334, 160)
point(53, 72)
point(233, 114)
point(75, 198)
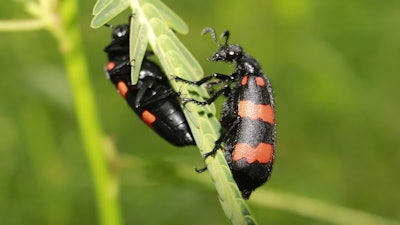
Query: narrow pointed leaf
point(100, 4)
point(138, 45)
point(169, 16)
point(108, 11)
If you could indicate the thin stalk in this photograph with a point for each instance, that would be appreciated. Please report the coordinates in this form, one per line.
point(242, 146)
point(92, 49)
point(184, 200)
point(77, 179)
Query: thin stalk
point(20, 25)
point(66, 30)
point(60, 17)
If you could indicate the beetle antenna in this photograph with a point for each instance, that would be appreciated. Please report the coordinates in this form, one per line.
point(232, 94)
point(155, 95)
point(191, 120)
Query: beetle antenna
point(225, 35)
point(213, 35)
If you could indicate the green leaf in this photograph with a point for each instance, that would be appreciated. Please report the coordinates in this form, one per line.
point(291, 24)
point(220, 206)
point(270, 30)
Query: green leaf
point(138, 45)
point(173, 20)
point(105, 10)
point(100, 4)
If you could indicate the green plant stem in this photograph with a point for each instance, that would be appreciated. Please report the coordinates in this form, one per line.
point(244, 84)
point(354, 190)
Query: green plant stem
point(21, 25)
point(69, 38)
point(104, 183)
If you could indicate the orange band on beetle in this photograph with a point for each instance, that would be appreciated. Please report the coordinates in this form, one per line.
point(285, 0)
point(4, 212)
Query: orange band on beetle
point(244, 80)
point(254, 111)
point(148, 118)
point(263, 153)
point(122, 88)
point(110, 65)
point(260, 82)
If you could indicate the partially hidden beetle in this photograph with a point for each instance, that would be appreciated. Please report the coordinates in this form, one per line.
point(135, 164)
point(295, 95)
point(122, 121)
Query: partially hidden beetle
point(152, 97)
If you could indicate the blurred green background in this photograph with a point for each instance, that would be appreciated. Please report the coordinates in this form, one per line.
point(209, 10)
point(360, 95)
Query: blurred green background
point(335, 69)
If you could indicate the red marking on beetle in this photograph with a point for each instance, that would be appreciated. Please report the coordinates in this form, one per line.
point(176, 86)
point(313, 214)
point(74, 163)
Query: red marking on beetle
point(122, 88)
point(263, 153)
point(254, 111)
point(148, 118)
point(260, 82)
point(110, 66)
point(244, 80)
